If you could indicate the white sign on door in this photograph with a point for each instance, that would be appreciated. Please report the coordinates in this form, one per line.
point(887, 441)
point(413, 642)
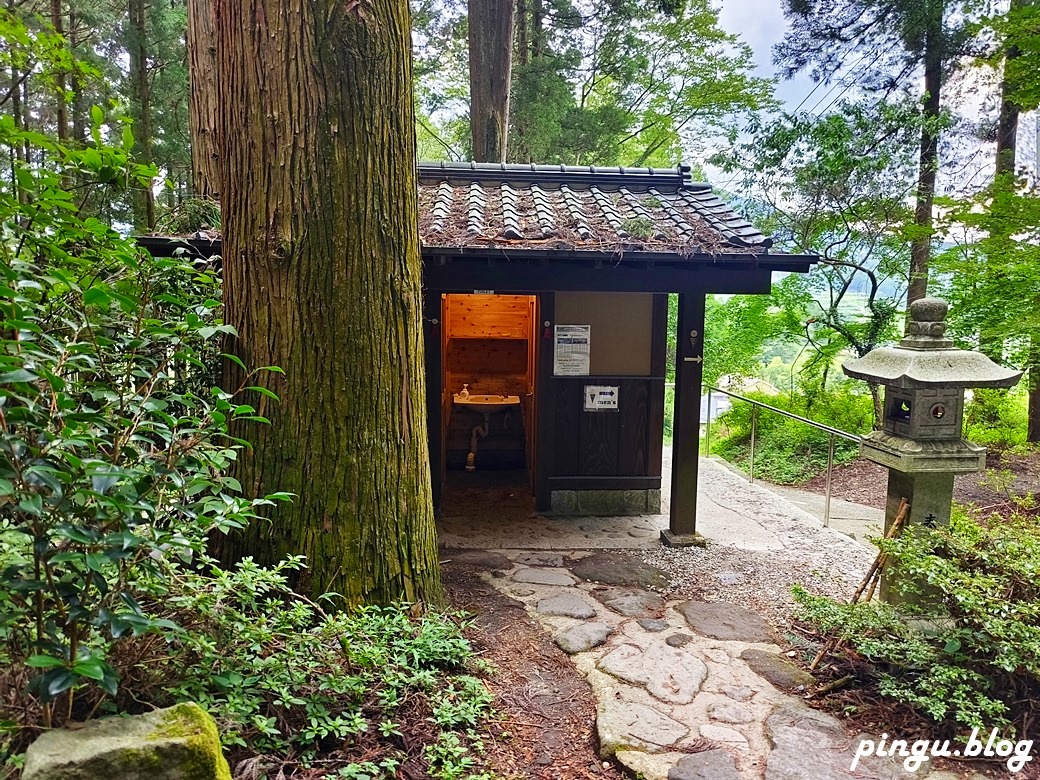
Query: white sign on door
point(601, 398)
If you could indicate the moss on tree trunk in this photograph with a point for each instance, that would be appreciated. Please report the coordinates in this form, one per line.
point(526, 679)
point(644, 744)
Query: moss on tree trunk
point(322, 278)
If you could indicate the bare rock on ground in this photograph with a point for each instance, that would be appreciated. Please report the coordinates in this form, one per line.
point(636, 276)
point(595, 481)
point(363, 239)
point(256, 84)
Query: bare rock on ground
point(177, 743)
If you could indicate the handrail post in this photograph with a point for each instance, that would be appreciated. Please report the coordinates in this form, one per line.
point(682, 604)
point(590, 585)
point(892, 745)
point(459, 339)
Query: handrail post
point(707, 429)
point(754, 417)
point(830, 469)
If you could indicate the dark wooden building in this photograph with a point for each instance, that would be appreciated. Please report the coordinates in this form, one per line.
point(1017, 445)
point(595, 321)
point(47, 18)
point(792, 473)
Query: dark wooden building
point(546, 292)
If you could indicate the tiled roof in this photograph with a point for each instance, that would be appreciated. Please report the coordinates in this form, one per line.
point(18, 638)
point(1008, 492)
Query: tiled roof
point(613, 210)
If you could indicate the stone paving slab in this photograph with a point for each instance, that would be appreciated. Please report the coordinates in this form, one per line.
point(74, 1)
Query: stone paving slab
point(720, 620)
point(651, 716)
point(630, 602)
point(582, 637)
point(539, 576)
point(705, 709)
point(566, 605)
point(669, 674)
point(729, 510)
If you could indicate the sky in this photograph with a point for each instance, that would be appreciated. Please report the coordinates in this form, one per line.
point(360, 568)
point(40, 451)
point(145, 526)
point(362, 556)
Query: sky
point(761, 24)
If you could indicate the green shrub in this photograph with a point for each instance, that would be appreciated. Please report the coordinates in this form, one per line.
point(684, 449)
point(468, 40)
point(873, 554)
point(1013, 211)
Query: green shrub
point(669, 413)
point(788, 451)
point(997, 418)
point(113, 477)
point(978, 664)
point(111, 460)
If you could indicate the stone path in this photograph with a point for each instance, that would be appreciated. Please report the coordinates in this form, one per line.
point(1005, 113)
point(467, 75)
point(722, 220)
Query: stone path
point(685, 690)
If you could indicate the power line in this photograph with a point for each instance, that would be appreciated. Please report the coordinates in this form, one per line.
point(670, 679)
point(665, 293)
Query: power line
point(925, 13)
point(853, 79)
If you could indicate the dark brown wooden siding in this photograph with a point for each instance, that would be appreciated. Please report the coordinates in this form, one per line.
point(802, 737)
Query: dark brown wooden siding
point(609, 443)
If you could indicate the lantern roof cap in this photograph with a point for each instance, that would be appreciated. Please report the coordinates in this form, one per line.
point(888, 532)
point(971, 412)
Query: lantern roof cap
point(925, 358)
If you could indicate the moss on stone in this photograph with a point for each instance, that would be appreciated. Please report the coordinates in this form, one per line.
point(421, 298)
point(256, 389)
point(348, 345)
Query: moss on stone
point(188, 721)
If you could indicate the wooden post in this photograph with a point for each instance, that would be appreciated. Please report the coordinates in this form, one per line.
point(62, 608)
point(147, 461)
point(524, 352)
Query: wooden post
point(689, 350)
point(545, 405)
point(432, 329)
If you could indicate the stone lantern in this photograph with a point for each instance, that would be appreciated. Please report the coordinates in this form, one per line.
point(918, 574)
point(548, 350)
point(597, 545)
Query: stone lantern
point(921, 441)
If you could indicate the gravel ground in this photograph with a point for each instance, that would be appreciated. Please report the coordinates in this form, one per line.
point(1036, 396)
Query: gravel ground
point(799, 551)
point(866, 483)
point(761, 580)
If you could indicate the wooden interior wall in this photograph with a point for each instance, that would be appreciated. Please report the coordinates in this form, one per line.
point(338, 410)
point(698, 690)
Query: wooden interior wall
point(487, 342)
point(488, 317)
point(487, 345)
point(489, 366)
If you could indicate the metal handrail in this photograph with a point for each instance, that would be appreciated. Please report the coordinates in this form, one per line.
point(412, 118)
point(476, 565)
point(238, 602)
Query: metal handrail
point(754, 418)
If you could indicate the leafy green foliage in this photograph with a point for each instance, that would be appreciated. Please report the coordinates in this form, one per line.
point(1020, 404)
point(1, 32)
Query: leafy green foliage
point(1018, 31)
point(991, 268)
point(978, 663)
point(624, 83)
point(284, 678)
point(735, 332)
point(110, 463)
point(788, 451)
point(836, 186)
point(612, 82)
point(997, 418)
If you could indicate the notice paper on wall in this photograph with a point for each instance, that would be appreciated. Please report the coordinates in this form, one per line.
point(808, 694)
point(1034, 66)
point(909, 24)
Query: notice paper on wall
point(571, 350)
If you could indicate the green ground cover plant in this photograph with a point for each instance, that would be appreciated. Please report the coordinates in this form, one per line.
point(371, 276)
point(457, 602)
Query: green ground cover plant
point(972, 659)
point(292, 685)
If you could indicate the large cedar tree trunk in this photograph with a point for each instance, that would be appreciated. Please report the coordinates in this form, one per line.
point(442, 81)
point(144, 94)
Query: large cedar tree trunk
point(921, 245)
point(322, 278)
point(203, 79)
point(61, 110)
point(490, 74)
point(79, 102)
point(144, 198)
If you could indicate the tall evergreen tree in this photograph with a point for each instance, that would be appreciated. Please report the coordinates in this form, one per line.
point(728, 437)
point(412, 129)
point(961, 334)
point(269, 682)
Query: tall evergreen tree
point(884, 46)
point(490, 76)
point(204, 81)
point(322, 278)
